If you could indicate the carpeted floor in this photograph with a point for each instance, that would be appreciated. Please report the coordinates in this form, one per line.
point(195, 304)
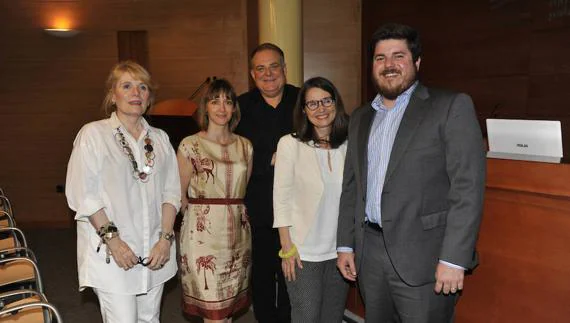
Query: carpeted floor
point(55, 250)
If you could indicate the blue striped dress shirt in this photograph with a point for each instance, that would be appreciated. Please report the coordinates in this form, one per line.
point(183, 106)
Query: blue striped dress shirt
point(380, 141)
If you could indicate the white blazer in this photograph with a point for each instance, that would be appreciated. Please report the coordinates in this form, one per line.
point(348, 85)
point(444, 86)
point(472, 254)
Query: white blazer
point(297, 186)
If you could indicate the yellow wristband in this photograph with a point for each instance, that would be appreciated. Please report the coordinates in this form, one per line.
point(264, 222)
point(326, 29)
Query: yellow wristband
point(288, 254)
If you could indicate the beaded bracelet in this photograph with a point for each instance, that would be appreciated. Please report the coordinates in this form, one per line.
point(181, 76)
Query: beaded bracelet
point(106, 229)
point(288, 254)
point(107, 232)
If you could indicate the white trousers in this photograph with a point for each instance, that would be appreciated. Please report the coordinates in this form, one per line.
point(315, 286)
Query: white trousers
point(141, 308)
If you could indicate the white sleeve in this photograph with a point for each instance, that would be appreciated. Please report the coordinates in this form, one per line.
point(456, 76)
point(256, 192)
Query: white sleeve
point(283, 182)
point(171, 192)
point(82, 184)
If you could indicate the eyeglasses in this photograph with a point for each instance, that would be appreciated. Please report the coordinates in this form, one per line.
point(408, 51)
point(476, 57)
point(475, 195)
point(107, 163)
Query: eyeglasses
point(143, 261)
point(314, 104)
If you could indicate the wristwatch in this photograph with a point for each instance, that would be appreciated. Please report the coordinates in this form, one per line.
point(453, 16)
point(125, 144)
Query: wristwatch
point(167, 236)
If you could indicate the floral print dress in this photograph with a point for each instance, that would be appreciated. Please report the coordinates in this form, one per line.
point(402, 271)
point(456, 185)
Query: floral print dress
point(215, 238)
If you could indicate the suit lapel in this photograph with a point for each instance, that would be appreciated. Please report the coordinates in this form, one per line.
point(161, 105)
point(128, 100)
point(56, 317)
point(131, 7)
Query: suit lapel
point(363, 134)
point(415, 112)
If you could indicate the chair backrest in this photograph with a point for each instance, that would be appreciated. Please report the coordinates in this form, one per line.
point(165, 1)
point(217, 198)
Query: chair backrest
point(16, 270)
point(5, 204)
point(32, 307)
point(17, 315)
point(12, 238)
point(6, 219)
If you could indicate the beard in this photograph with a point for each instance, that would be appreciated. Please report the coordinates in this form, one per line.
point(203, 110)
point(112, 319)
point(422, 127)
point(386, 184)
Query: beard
point(392, 89)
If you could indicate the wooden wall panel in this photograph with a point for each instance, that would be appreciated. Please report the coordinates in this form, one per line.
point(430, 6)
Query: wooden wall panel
point(133, 45)
point(331, 45)
point(506, 103)
point(510, 54)
point(50, 87)
point(524, 274)
point(549, 95)
point(453, 56)
point(550, 51)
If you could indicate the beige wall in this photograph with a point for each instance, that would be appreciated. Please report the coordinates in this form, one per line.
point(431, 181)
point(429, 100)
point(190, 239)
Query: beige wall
point(50, 87)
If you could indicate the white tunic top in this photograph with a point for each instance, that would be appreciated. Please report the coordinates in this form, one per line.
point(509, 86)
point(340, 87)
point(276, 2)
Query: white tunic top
point(100, 176)
point(320, 242)
point(306, 196)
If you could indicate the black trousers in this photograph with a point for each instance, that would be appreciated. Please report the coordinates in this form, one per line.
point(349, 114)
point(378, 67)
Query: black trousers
point(269, 292)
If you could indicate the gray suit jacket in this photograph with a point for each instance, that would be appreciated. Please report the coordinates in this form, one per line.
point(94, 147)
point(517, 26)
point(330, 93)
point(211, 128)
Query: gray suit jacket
point(433, 191)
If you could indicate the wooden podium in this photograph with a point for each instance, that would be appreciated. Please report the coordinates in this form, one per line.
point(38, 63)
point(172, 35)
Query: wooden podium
point(524, 248)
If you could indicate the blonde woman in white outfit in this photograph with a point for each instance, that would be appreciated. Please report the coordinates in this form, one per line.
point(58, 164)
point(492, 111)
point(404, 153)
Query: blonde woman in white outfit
point(306, 194)
point(123, 184)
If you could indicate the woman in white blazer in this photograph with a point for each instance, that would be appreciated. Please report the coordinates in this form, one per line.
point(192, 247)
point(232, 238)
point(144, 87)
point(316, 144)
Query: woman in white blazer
point(306, 193)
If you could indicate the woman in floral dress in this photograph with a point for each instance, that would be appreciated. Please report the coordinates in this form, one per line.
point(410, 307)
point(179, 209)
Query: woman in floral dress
point(215, 238)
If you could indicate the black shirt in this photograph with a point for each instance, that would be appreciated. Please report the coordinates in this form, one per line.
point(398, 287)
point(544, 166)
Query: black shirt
point(264, 125)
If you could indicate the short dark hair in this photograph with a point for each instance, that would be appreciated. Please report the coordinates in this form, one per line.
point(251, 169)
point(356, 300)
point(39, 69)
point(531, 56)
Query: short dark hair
point(397, 31)
point(304, 129)
point(266, 46)
point(215, 89)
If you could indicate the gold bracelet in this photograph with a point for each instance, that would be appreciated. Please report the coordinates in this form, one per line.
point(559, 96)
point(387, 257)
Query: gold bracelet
point(288, 254)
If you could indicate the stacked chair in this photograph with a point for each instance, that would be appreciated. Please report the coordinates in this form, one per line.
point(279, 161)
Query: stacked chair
point(22, 298)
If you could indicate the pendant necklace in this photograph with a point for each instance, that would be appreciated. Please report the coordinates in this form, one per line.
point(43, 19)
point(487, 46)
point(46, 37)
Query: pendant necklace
point(325, 144)
point(141, 175)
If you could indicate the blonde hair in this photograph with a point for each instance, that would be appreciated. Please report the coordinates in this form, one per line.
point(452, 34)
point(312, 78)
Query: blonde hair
point(217, 88)
point(137, 72)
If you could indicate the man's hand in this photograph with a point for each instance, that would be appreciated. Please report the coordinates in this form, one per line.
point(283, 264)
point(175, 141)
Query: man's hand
point(345, 263)
point(448, 279)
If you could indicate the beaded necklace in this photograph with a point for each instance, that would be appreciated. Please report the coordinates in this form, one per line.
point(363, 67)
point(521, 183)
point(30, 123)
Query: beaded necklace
point(149, 155)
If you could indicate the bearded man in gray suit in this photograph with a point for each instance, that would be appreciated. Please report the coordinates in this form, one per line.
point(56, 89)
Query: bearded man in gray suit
point(413, 189)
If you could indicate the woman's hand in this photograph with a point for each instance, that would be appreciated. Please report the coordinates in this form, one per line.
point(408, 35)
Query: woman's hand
point(122, 254)
point(288, 265)
point(159, 255)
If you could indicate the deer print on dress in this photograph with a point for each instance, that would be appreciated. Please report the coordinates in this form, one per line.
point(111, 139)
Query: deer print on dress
point(203, 166)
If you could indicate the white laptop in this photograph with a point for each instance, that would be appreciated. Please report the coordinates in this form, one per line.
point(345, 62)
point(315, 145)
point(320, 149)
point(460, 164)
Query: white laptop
point(533, 140)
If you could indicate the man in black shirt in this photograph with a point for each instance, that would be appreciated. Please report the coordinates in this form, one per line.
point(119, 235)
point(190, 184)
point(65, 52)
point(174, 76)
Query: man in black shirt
point(266, 116)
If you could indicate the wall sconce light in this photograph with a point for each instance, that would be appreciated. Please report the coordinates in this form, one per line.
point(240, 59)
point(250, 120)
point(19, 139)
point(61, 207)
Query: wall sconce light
point(61, 32)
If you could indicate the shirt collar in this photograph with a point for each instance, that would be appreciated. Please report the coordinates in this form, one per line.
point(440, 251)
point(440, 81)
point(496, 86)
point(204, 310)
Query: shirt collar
point(116, 123)
point(378, 102)
point(284, 97)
